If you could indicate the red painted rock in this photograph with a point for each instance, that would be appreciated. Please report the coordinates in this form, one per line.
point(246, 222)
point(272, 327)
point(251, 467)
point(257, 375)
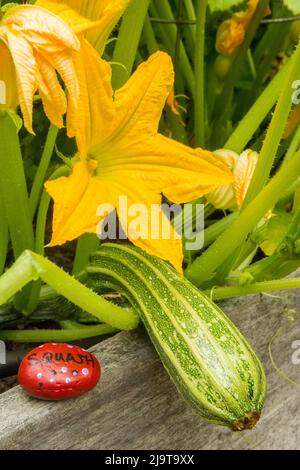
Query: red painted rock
point(56, 371)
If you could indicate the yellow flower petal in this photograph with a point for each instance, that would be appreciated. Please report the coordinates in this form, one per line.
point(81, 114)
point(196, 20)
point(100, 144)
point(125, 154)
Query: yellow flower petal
point(25, 66)
point(224, 196)
point(100, 16)
point(157, 236)
point(51, 93)
point(34, 22)
point(243, 173)
point(76, 199)
point(232, 196)
point(68, 13)
point(84, 120)
point(141, 100)
point(40, 44)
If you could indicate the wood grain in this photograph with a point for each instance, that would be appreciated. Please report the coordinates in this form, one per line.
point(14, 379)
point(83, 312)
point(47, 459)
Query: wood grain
point(137, 407)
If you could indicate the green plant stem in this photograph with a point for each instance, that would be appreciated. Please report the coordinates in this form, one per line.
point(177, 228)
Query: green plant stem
point(294, 145)
point(165, 11)
point(190, 32)
point(205, 266)
point(178, 37)
point(255, 116)
point(149, 36)
point(275, 131)
point(14, 196)
point(86, 245)
point(274, 39)
point(13, 187)
point(235, 70)
point(219, 293)
point(191, 14)
point(215, 230)
point(128, 41)
point(3, 236)
point(31, 267)
point(41, 220)
point(40, 175)
point(201, 6)
point(44, 336)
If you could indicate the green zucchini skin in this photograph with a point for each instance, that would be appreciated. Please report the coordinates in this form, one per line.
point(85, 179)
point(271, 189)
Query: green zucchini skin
point(206, 356)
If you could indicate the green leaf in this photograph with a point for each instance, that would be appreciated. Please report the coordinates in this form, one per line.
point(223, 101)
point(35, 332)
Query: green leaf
point(224, 5)
point(293, 6)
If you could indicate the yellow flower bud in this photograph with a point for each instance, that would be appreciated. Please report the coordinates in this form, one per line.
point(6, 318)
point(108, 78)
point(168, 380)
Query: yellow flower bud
point(232, 32)
point(231, 196)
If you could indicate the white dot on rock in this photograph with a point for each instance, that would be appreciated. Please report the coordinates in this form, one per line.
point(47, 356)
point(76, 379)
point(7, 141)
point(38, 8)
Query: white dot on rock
point(39, 375)
point(68, 380)
point(64, 370)
point(85, 371)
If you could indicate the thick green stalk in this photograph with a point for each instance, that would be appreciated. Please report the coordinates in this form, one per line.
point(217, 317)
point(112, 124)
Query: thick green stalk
point(199, 74)
point(219, 293)
point(128, 41)
point(40, 175)
point(14, 196)
point(215, 230)
point(255, 116)
point(165, 11)
point(31, 267)
point(222, 104)
point(13, 187)
point(190, 31)
point(45, 336)
point(41, 222)
point(294, 145)
point(275, 131)
point(3, 236)
point(149, 36)
point(275, 39)
point(42, 214)
point(191, 14)
point(86, 245)
point(206, 265)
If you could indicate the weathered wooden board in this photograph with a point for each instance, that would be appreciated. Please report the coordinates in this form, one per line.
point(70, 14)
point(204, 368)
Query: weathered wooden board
point(136, 406)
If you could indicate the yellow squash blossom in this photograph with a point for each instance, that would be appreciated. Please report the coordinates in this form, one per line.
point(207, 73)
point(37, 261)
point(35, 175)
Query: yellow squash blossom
point(39, 41)
point(34, 44)
point(231, 33)
point(127, 157)
point(231, 196)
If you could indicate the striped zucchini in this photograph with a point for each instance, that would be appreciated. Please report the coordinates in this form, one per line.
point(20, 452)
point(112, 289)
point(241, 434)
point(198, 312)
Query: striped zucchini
point(204, 353)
